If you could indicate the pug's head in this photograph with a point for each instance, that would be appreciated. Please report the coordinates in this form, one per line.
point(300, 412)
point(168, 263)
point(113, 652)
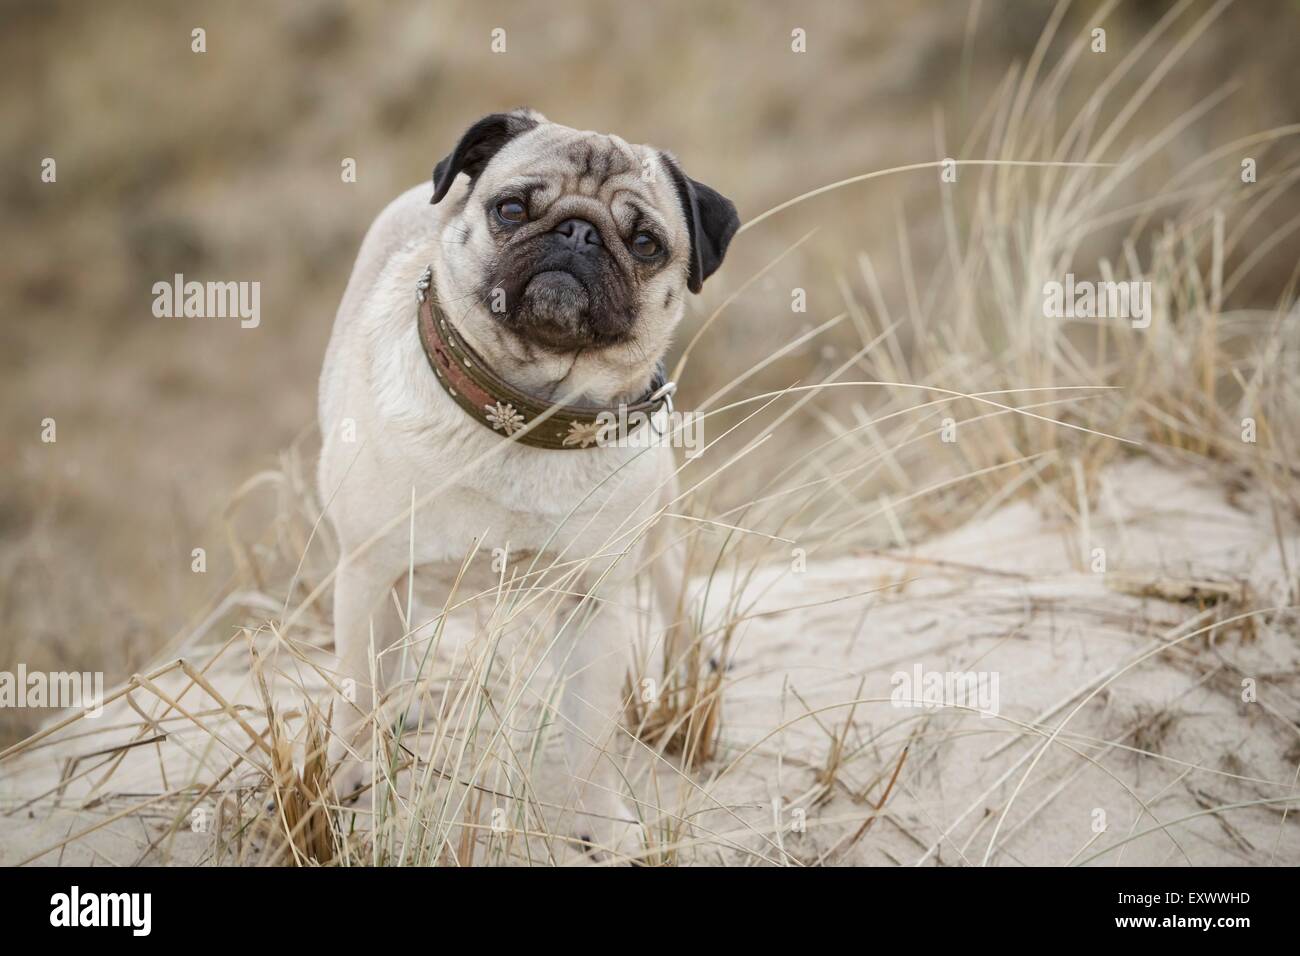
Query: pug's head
point(563, 245)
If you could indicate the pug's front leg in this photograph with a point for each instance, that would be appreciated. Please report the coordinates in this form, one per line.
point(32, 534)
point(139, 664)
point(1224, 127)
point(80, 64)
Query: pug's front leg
point(594, 657)
point(359, 592)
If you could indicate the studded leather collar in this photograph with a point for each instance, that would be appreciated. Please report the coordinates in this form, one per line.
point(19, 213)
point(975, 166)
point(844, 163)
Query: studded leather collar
point(497, 405)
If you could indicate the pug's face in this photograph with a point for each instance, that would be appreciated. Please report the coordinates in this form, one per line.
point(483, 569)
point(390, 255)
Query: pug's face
point(575, 242)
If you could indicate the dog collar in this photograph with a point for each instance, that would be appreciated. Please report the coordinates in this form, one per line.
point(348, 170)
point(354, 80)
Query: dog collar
point(496, 404)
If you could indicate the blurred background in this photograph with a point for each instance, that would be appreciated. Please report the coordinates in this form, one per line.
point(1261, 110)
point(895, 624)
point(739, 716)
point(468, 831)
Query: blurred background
point(225, 165)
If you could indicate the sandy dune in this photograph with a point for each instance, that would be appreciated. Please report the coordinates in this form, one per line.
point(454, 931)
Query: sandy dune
point(1119, 709)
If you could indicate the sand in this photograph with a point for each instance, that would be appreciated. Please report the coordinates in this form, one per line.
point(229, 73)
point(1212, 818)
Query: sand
point(1145, 711)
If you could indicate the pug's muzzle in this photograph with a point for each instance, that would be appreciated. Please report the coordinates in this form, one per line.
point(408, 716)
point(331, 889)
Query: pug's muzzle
point(563, 289)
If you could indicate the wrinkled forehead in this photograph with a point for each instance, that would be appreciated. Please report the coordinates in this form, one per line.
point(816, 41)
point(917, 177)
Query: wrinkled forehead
point(552, 161)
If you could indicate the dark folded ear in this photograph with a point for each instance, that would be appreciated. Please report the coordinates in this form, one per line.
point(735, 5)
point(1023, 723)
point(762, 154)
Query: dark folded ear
point(476, 148)
point(711, 219)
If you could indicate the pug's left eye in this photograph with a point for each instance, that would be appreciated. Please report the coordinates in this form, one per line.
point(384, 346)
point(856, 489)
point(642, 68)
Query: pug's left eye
point(511, 211)
point(644, 245)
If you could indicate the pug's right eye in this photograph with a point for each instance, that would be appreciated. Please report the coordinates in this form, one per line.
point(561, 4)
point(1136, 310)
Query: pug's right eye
point(512, 212)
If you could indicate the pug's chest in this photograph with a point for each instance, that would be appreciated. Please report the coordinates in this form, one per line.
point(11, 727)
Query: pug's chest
point(476, 558)
point(481, 577)
point(482, 532)
point(522, 499)
point(480, 502)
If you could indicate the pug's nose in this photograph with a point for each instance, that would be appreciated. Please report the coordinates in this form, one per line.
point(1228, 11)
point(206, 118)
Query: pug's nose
point(579, 235)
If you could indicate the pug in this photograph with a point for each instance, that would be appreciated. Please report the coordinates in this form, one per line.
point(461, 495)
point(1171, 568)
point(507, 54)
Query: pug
point(491, 316)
